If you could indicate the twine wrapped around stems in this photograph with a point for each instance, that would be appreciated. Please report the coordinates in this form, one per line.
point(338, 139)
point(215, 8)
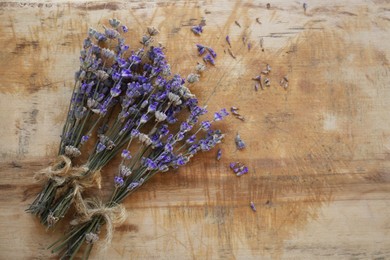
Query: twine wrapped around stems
point(113, 216)
point(67, 177)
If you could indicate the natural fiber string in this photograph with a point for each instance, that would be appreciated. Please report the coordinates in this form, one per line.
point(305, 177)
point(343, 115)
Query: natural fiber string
point(113, 216)
point(56, 172)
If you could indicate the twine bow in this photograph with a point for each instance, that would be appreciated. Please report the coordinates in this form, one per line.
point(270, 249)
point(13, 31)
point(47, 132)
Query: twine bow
point(114, 215)
point(58, 172)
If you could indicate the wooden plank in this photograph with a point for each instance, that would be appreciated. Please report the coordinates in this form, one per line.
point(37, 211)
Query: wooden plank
point(318, 151)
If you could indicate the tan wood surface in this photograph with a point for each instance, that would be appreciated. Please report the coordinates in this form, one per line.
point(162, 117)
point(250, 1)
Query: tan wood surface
point(318, 152)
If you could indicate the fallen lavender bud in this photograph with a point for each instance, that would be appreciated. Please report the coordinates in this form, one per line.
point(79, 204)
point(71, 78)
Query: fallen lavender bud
point(238, 168)
point(212, 52)
point(197, 29)
point(242, 170)
point(209, 59)
point(228, 40)
point(219, 154)
point(252, 204)
point(240, 144)
point(192, 78)
point(201, 48)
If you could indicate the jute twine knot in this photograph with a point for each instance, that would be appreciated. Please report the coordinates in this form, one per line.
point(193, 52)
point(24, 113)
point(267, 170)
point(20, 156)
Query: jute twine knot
point(56, 172)
point(113, 216)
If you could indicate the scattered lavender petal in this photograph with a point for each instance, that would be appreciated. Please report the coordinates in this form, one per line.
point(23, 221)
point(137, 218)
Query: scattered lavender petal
point(253, 207)
point(219, 154)
point(240, 144)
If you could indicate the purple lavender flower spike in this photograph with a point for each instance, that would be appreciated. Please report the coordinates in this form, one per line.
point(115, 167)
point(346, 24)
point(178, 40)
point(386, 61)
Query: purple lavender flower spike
point(126, 73)
point(168, 147)
point(133, 185)
point(180, 161)
point(144, 118)
point(191, 139)
point(205, 125)
point(118, 181)
point(100, 147)
point(84, 139)
point(180, 136)
point(115, 91)
point(126, 154)
point(209, 59)
point(135, 59)
point(150, 164)
point(134, 133)
point(197, 29)
point(163, 130)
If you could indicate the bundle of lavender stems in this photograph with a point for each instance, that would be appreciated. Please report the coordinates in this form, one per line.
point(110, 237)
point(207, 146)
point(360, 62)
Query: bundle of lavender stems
point(128, 104)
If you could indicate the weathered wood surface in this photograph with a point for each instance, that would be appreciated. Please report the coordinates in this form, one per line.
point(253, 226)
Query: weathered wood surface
point(318, 152)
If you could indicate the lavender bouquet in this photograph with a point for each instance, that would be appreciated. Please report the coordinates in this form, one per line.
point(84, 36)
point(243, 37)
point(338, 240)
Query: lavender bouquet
point(128, 101)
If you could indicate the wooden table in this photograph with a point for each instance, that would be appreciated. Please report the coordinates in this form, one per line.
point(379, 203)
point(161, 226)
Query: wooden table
point(318, 151)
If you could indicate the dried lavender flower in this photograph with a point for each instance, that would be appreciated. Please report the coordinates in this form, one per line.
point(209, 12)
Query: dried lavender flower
point(197, 29)
point(192, 78)
point(228, 40)
point(200, 67)
point(152, 31)
point(209, 59)
point(240, 144)
point(253, 207)
point(72, 151)
point(267, 82)
point(219, 154)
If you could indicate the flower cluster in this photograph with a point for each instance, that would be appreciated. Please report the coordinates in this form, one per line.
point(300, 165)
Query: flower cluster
point(131, 105)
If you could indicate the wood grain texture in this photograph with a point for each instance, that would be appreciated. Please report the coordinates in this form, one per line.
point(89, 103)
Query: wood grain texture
point(318, 152)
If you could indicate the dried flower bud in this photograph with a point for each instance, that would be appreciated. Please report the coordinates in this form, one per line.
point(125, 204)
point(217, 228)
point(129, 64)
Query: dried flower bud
point(114, 22)
point(252, 204)
point(197, 30)
point(146, 40)
point(51, 220)
point(118, 181)
point(192, 78)
point(160, 116)
point(91, 238)
point(82, 75)
point(267, 82)
point(126, 154)
point(200, 67)
point(110, 33)
point(145, 139)
point(72, 151)
point(101, 75)
point(125, 171)
point(173, 98)
point(107, 53)
point(152, 31)
point(240, 144)
point(219, 154)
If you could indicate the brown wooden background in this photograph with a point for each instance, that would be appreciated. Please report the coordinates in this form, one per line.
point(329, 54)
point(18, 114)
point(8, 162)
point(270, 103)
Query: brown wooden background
point(318, 152)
